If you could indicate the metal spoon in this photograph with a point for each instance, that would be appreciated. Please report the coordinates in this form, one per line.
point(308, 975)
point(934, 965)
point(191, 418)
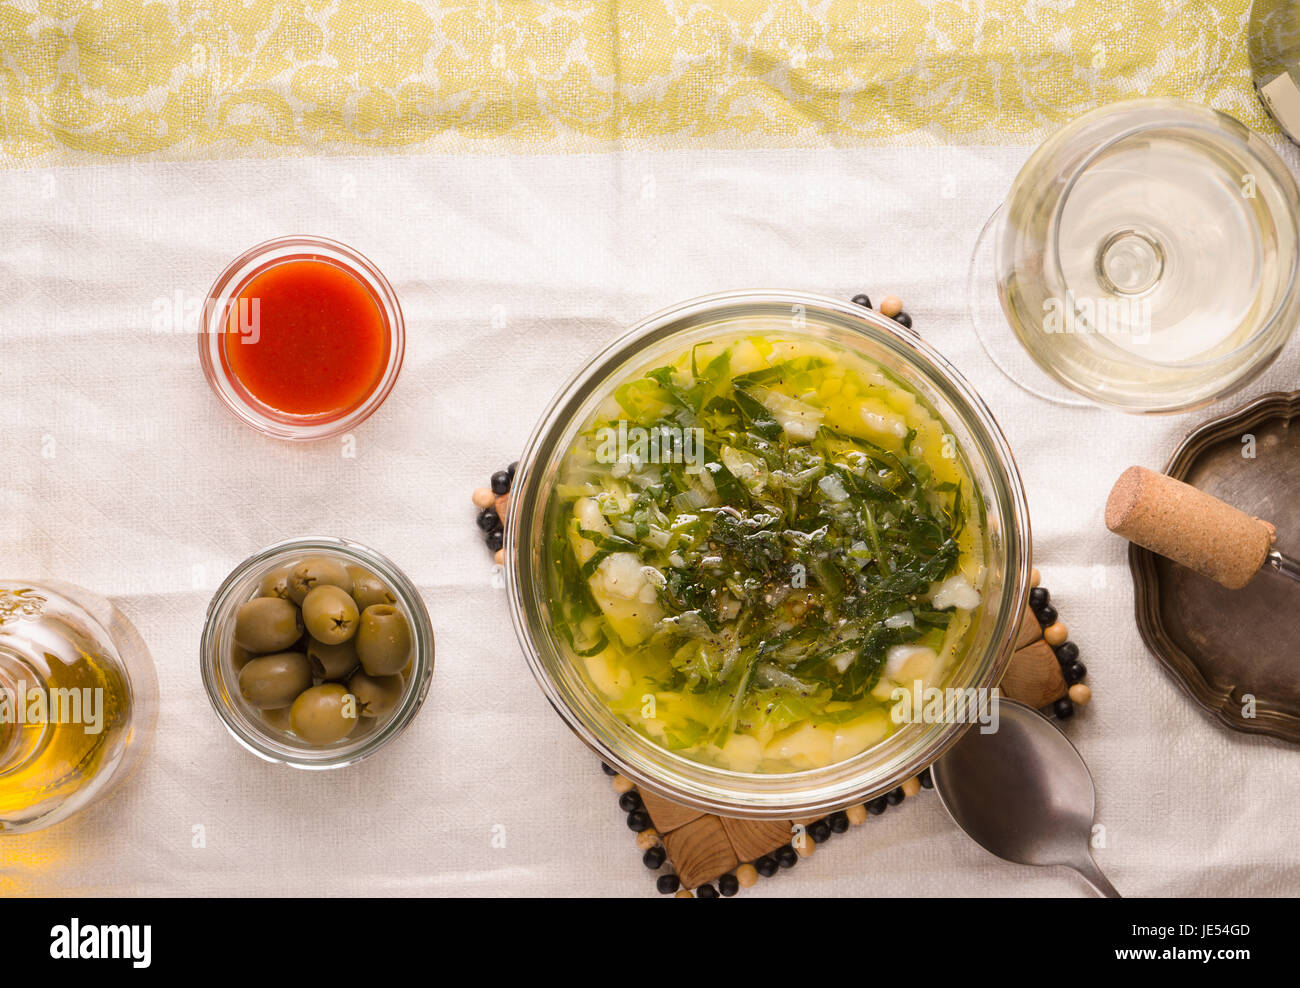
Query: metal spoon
point(1023, 793)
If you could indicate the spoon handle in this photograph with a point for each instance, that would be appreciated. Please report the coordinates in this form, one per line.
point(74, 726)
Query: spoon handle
point(1090, 873)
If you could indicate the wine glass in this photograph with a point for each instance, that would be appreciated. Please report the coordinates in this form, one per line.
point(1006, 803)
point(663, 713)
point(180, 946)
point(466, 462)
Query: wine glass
point(1147, 259)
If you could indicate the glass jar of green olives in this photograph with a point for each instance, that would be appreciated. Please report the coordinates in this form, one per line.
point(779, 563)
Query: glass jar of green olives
point(287, 695)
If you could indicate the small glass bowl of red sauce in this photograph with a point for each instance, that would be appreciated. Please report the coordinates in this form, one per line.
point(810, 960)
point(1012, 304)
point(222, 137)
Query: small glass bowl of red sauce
point(302, 338)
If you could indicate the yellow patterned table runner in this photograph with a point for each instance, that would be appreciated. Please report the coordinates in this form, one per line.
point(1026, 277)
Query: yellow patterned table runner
point(228, 78)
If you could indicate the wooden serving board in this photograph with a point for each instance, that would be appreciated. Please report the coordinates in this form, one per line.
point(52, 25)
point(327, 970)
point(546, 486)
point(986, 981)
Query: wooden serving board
point(1034, 675)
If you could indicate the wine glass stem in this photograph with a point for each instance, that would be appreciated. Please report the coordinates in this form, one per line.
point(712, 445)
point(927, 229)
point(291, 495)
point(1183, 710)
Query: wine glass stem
point(1130, 262)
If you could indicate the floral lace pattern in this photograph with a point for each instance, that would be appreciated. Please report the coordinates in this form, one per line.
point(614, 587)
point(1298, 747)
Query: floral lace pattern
point(225, 78)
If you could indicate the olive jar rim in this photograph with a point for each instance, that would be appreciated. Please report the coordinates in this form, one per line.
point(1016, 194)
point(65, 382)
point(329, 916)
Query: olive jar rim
point(222, 691)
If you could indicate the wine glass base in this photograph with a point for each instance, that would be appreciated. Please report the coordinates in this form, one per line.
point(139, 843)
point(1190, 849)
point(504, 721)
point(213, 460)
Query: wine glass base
point(995, 333)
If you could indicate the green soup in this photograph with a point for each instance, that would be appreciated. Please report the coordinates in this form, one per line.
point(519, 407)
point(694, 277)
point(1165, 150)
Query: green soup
point(754, 545)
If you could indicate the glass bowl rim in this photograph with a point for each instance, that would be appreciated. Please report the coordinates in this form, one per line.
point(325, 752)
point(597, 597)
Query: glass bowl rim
point(763, 801)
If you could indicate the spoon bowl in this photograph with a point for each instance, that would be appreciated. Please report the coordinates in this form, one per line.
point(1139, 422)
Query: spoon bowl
point(1023, 793)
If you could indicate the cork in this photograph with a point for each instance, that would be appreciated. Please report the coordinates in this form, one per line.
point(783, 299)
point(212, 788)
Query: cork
point(1188, 526)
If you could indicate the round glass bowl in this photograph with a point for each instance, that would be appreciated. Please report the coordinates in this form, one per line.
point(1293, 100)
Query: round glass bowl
point(246, 723)
point(78, 702)
point(223, 304)
point(1147, 256)
point(989, 462)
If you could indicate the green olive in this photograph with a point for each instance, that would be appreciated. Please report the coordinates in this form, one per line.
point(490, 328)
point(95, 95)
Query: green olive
point(274, 680)
point(330, 615)
point(267, 624)
point(317, 571)
point(277, 718)
point(383, 640)
point(324, 714)
point(332, 661)
point(368, 589)
point(276, 583)
point(239, 656)
point(376, 695)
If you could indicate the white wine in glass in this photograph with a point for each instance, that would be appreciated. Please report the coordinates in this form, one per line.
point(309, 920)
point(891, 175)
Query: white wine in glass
point(1147, 257)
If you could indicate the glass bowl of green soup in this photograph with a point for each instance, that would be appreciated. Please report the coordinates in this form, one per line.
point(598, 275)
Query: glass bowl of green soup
point(768, 553)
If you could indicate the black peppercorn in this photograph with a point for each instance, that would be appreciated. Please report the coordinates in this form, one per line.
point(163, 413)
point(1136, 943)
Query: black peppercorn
point(894, 796)
point(820, 832)
point(877, 806)
point(926, 781)
point(1074, 672)
point(838, 822)
point(1063, 708)
point(638, 820)
point(607, 770)
point(1067, 652)
point(629, 801)
point(489, 520)
point(512, 470)
point(862, 300)
point(1039, 597)
point(904, 320)
point(654, 857)
point(667, 884)
point(1046, 615)
point(765, 866)
point(500, 482)
point(786, 856)
point(495, 540)
point(728, 885)
point(706, 892)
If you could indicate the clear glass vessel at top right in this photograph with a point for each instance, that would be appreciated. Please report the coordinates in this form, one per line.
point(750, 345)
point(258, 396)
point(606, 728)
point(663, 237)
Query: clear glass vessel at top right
point(1148, 255)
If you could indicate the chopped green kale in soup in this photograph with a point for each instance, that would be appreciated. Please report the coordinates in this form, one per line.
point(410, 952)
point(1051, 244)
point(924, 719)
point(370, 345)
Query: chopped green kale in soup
point(756, 543)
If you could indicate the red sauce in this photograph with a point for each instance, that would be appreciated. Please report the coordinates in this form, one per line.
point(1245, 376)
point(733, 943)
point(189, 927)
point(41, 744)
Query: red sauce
point(306, 337)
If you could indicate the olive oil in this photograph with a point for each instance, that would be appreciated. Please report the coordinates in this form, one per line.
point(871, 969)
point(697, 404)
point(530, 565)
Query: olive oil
point(753, 596)
point(64, 712)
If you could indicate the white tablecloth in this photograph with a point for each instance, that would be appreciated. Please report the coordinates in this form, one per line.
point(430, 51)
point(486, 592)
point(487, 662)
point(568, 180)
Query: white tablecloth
point(123, 474)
